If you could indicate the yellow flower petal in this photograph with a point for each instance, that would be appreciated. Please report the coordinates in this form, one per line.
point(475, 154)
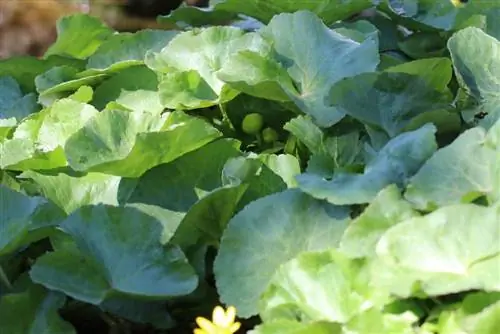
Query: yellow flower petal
point(230, 315)
point(234, 327)
point(219, 316)
point(206, 325)
point(199, 331)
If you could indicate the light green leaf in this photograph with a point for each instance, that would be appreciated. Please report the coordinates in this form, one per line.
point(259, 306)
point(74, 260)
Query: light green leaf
point(365, 322)
point(328, 10)
point(455, 248)
point(21, 154)
point(123, 50)
point(141, 101)
point(16, 214)
point(476, 59)
point(34, 311)
point(395, 163)
point(295, 327)
point(118, 250)
point(460, 172)
point(71, 191)
point(387, 100)
point(78, 36)
point(318, 286)
point(38, 140)
point(363, 233)
point(270, 74)
point(190, 63)
point(285, 165)
point(267, 233)
point(127, 144)
point(479, 313)
point(61, 121)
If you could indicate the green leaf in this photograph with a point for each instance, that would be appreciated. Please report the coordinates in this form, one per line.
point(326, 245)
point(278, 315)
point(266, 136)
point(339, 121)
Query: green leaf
point(442, 251)
point(62, 79)
point(126, 81)
point(329, 153)
point(363, 233)
point(143, 312)
point(270, 74)
point(492, 25)
point(267, 233)
point(34, 311)
point(395, 163)
point(190, 63)
point(123, 50)
point(127, 144)
point(207, 219)
point(14, 105)
point(432, 15)
point(328, 10)
point(118, 250)
point(476, 59)
point(318, 286)
point(458, 173)
point(197, 17)
point(78, 36)
point(25, 69)
point(387, 100)
point(192, 191)
point(436, 71)
point(253, 171)
point(423, 44)
point(16, 214)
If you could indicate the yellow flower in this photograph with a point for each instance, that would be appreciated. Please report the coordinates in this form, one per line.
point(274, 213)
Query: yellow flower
point(222, 322)
point(459, 3)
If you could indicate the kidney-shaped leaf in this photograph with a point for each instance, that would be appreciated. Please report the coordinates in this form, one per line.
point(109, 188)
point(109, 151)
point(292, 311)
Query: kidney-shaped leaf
point(455, 248)
point(267, 233)
point(330, 57)
point(460, 172)
point(118, 248)
point(319, 286)
point(127, 144)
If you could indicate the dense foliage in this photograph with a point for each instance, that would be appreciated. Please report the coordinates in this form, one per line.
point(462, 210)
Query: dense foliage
point(320, 170)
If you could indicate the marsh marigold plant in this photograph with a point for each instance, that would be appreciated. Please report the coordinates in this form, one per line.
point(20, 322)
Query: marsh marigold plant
point(223, 322)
